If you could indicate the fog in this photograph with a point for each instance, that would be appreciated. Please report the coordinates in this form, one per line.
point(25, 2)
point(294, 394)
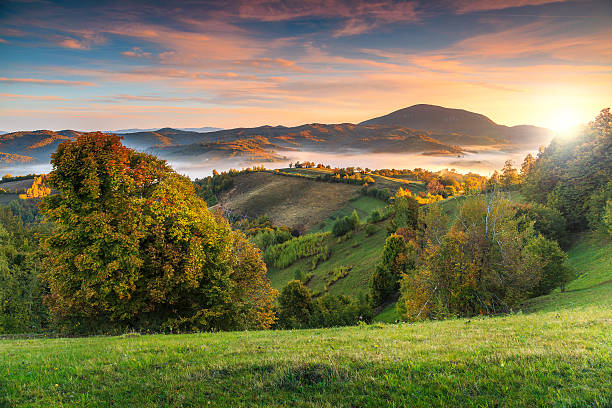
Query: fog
point(479, 160)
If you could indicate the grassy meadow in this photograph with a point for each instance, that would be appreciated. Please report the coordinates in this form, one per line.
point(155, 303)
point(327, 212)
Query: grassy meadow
point(556, 353)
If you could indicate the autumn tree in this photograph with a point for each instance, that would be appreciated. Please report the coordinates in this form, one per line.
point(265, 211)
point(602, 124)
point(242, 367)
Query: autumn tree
point(509, 177)
point(135, 248)
point(487, 263)
point(434, 186)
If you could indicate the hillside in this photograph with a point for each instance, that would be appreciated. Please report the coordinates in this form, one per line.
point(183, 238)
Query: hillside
point(461, 126)
point(296, 202)
point(558, 355)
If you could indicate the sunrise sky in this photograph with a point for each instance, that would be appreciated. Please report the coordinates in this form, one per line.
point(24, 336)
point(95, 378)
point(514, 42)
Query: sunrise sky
point(91, 65)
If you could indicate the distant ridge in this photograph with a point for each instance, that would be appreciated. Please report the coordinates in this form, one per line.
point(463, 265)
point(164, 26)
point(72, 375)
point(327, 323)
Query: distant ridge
point(418, 129)
point(136, 130)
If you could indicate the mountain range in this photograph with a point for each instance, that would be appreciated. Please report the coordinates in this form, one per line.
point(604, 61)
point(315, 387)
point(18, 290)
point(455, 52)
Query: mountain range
point(425, 129)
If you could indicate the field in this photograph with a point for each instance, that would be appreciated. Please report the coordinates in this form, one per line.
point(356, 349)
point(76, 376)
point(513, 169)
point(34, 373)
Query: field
point(293, 201)
point(358, 252)
point(558, 355)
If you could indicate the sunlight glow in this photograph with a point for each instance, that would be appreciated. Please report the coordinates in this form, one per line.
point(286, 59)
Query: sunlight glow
point(564, 121)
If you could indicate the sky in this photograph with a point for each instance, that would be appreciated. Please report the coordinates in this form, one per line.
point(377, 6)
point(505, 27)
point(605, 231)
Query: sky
point(101, 65)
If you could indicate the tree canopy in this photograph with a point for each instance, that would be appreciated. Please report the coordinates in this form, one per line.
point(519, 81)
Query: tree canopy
point(134, 248)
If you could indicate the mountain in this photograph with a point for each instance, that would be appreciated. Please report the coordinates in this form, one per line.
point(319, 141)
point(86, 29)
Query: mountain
point(419, 129)
point(203, 129)
point(461, 126)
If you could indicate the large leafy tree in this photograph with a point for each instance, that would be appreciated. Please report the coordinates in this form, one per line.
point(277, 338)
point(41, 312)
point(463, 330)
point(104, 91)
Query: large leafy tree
point(135, 248)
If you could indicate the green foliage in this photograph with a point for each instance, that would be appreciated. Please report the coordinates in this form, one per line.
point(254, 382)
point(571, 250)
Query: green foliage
point(489, 262)
point(297, 309)
point(406, 211)
point(345, 224)
point(544, 255)
point(380, 193)
point(370, 229)
point(135, 249)
point(286, 253)
point(21, 292)
point(339, 310)
point(599, 208)
point(396, 259)
point(546, 221)
point(269, 237)
point(295, 306)
point(337, 273)
point(509, 178)
point(568, 174)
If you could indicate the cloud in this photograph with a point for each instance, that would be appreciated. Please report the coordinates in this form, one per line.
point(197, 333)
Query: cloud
point(137, 52)
point(2, 40)
point(45, 81)
point(73, 44)
point(561, 41)
point(469, 6)
point(33, 97)
point(359, 16)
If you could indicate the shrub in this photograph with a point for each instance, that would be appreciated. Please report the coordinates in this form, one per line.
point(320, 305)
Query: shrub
point(345, 224)
point(370, 230)
point(295, 306)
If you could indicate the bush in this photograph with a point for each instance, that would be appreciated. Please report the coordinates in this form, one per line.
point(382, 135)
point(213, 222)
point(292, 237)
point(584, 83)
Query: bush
point(370, 230)
point(489, 262)
point(345, 224)
point(298, 310)
point(295, 306)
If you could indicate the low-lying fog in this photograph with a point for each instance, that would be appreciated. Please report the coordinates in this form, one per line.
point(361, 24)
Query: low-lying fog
point(483, 162)
point(480, 161)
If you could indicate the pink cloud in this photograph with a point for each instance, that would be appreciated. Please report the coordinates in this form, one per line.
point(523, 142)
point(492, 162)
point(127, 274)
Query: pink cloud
point(33, 97)
point(469, 6)
point(45, 81)
point(73, 44)
point(136, 52)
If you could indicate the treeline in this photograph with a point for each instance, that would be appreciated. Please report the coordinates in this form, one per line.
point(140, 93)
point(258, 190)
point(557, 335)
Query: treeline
point(21, 289)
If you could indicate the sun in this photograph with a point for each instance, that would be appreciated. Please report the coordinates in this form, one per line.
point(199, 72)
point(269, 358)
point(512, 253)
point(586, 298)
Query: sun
point(563, 121)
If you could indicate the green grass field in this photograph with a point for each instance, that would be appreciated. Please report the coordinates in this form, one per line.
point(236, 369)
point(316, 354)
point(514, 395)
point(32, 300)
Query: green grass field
point(356, 251)
point(558, 353)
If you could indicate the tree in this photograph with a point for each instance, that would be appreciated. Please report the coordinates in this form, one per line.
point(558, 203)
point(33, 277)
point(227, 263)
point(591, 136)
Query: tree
point(509, 177)
point(544, 255)
point(397, 257)
point(486, 263)
point(135, 248)
point(295, 305)
point(527, 165)
point(434, 186)
point(546, 221)
point(21, 291)
point(406, 209)
point(567, 173)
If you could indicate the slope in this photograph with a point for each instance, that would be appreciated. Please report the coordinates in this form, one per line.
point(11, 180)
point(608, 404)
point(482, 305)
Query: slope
point(560, 355)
